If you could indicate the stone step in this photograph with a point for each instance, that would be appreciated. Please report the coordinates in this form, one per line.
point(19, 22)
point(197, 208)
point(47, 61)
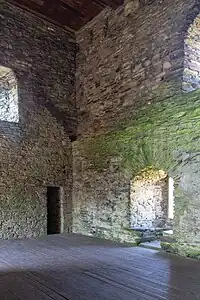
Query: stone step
point(168, 232)
point(155, 245)
point(167, 239)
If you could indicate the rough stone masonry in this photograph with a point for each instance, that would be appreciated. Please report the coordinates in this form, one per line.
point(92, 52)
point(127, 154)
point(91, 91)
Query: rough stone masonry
point(126, 106)
point(133, 114)
point(36, 151)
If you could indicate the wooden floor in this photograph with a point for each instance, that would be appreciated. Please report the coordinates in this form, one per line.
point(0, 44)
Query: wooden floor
point(77, 267)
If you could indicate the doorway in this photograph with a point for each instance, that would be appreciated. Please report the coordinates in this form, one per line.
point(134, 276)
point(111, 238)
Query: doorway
point(53, 210)
point(152, 207)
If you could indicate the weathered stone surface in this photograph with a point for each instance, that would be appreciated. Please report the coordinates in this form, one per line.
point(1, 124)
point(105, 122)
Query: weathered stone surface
point(98, 209)
point(133, 75)
point(36, 152)
point(164, 136)
point(131, 7)
point(149, 200)
point(129, 79)
point(119, 72)
point(191, 74)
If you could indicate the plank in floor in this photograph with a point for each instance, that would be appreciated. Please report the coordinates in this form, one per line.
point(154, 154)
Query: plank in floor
point(76, 267)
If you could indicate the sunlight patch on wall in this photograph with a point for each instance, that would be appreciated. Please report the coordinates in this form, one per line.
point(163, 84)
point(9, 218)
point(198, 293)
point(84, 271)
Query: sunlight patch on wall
point(8, 96)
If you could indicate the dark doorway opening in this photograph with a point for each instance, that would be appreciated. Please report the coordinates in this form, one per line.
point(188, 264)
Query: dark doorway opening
point(53, 210)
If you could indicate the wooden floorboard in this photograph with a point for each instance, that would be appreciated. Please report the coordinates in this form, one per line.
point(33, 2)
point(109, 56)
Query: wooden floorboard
point(74, 267)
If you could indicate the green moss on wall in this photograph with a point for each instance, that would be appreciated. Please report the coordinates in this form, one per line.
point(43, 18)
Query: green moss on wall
point(150, 174)
point(157, 139)
point(183, 250)
point(153, 139)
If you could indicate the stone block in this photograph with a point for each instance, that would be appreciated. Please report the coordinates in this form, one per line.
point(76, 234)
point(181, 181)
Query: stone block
point(131, 7)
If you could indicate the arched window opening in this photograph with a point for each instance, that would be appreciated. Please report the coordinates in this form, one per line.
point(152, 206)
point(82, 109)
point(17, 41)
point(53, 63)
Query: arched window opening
point(8, 96)
point(191, 74)
point(152, 203)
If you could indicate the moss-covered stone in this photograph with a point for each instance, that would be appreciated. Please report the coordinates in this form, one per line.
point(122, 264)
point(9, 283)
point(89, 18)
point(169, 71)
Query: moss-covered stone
point(157, 135)
point(165, 136)
point(182, 249)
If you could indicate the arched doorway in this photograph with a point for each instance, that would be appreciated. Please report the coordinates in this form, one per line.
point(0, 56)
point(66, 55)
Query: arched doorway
point(152, 204)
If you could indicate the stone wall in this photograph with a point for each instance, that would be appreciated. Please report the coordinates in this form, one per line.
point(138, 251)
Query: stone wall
point(101, 200)
point(125, 55)
point(105, 164)
point(132, 115)
point(36, 152)
point(149, 200)
point(191, 75)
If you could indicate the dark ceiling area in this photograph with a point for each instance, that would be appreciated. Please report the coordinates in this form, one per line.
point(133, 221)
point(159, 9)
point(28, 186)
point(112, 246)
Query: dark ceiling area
point(69, 14)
